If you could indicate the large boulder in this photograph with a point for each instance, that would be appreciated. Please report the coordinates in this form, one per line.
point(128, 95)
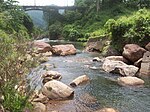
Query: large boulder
point(148, 46)
point(42, 47)
point(145, 65)
point(117, 58)
point(130, 81)
point(101, 44)
point(64, 50)
point(133, 52)
point(79, 80)
point(119, 67)
point(57, 90)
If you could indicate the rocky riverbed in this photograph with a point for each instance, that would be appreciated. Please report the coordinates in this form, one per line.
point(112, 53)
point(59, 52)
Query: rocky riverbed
point(102, 89)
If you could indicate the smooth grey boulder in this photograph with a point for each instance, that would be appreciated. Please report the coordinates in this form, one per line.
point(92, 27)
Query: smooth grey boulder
point(57, 90)
point(130, 81)
point(117, 58)
point(119, 67)
point(79, 80)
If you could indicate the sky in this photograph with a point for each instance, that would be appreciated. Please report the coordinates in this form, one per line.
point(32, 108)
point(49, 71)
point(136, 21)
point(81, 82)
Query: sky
point(46, 2)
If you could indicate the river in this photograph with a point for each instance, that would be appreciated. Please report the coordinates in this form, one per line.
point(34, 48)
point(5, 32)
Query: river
point(101, 91)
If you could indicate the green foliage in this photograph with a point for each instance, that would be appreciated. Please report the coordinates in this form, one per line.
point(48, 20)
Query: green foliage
point(71, 33)
point(76, 24)
point(13, 19)
point(132, 29)
point(28, 23)
point(14, 102)
point(11, 51)
point(55, 30)
point(98, 32)
point(14, 31)
point(71, 16)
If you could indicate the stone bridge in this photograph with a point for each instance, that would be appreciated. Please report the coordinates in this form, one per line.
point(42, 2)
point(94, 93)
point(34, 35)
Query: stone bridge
point(48, 8)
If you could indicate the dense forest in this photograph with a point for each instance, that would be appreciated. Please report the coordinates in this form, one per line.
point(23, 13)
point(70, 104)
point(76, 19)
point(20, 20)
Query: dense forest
point(125, 21)
point(120, 21)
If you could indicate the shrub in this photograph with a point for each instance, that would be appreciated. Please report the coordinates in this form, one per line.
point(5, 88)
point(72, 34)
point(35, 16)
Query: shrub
point(71, 16)
point(13, 47)
point(71, 33)
point(132, 29)
point(55, 30)
point(13, 100)
point(12, 68)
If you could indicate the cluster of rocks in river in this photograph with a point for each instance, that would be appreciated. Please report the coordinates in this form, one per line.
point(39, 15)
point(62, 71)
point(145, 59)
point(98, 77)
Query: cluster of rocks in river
point(42, 51)
point(134, 62)
point(47, 49)
point(53, 89)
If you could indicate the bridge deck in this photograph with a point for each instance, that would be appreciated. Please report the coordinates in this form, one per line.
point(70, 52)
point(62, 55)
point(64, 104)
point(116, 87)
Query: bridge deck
point(51, 7)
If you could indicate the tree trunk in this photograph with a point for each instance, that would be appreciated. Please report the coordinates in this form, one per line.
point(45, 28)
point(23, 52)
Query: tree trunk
point(98, 5)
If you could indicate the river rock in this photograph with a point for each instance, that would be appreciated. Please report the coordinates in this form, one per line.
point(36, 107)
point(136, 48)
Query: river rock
point(42, 47)
point(133, 52)
point(79, 80)
point(119, 67)
point(57, 90)
point(138, 63)
point(49, 75)
point(47, 54)
point(148, 46)
point(145, 65)
point(39, 107)
point(117, 58)
point(47, 66)
point(40, 98)
point(43, 59)
point(130, 81)
point(97, 59)
point(94, 67)
point(107, 110)
point(94, 44)
point(64, 50)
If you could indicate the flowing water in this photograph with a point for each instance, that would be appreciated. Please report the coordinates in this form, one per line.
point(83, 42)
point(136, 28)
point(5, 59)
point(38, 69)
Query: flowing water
point(101, 91)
